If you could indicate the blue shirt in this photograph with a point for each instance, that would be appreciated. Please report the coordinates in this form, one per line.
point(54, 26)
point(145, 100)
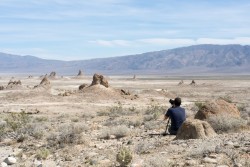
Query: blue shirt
point(177, 116)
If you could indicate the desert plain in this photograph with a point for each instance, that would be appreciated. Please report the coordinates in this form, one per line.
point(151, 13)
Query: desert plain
point(58, 125)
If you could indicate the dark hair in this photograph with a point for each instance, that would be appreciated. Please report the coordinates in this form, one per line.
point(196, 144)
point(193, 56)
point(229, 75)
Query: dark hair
point(177, 101)
point(171, 101)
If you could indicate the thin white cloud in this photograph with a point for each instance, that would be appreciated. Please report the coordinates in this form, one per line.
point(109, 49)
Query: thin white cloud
point(171, 42)
point(239, 40)
point(111, 43)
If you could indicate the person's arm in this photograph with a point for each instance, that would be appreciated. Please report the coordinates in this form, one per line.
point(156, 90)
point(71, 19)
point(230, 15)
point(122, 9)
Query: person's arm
point(166, 115)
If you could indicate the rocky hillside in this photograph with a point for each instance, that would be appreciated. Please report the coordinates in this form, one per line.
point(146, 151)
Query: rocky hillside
point(199, 59)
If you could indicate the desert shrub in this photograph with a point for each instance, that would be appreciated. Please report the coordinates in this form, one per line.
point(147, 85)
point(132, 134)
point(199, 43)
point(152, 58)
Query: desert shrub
point(204, 148)
point(2, 131)
point(148, 118)
point(118, 110)
point(68, 134)
point(102, 113)
point(135, 122)
point(87, 115)
point(42, 153)
point(145, 147)
point(227, 99)
point(124, 157)
point(35, 130)
point(154, 125)
point(75, 119)
point(159, 161)
point(155, 110)
point(244, 111)
point(115, 122)
point(16, 121)
point(118, 132)
point(199, 105)
point(225, 123)
point(41, 119)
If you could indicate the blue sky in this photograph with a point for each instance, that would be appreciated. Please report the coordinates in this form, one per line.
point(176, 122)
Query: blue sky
point(86, 29)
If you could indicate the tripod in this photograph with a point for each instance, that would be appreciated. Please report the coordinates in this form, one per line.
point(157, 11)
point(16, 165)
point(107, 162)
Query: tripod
point(165, 133)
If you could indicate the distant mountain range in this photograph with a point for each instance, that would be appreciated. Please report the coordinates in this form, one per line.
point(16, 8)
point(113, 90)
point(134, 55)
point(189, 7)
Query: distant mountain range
point(192, 60)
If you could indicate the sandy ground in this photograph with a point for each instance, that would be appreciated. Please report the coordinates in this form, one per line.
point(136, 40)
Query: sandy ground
point(72, 108)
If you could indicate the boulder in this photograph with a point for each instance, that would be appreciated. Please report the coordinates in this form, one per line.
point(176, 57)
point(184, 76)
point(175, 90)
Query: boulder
point(10, 160)
point(82, 86)
point(1, 87)
point(217, 107)
point(99, 80)
point(195, 129)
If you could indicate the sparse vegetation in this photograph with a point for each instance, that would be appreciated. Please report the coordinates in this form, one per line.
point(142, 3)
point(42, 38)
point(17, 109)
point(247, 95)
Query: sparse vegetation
point(16, 121)
point(118, 132)
point(124, 157)
point(42, 153)
point(159, 161)
point(199, 105)
point(224, 123)
point(227, 99)
point(156, 110)
point(68, 134)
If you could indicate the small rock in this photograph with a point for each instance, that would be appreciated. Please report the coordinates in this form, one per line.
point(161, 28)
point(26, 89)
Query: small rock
point(237, 165)
point(112, 136)
point(213, 156)
point(209, 160)
point(38, 163)
point(229, 143)
point(191, 163)
point(10, 160)
point(3, 164)
point(105, 162)
point(137, 163)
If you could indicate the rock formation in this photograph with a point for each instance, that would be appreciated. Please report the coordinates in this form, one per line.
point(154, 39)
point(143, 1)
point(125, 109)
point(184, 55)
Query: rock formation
point(99, 79)
point(45, 83)
point(52, 75)
point(181, 82)
point(217, 107)
point(134, 77)
point(82, 86)
point(193, 83)
point(14, 84)
point(80, 73)
point(195, 129)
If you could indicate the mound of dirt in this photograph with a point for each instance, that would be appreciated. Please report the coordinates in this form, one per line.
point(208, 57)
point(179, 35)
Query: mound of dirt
point(99, 80)
point(195, 129)
point(217, 107)
point(45, 83)
point(101, 92)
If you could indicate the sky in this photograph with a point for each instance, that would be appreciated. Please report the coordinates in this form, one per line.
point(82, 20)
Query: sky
point(87, 29)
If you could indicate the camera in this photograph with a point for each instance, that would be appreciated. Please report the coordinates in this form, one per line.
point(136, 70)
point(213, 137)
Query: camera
point(171, 101)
